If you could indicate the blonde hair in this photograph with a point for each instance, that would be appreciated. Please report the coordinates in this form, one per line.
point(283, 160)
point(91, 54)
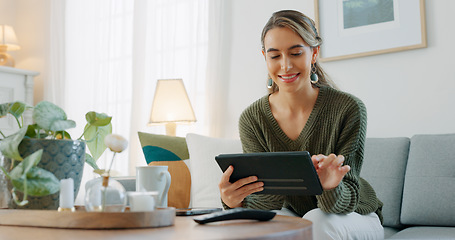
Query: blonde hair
point(305, 28)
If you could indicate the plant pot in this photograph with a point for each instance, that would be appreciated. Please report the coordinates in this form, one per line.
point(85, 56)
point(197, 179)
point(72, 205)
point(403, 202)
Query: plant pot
point(64, 158)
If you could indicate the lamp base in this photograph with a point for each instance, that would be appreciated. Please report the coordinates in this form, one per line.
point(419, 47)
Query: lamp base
point(170, 128)
point(6, 59)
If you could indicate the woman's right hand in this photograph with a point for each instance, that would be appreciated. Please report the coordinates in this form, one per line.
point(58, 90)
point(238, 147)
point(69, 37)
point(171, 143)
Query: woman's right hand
point(233, 194)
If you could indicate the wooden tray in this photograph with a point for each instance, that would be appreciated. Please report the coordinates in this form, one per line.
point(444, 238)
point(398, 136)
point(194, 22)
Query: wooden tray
point(87, 220)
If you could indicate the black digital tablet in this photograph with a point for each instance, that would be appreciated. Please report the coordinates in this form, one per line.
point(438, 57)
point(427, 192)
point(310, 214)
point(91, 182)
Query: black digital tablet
point(283, 173)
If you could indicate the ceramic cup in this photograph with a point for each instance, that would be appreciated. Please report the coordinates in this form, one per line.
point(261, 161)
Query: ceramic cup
point(154, 179)
point(142, 201)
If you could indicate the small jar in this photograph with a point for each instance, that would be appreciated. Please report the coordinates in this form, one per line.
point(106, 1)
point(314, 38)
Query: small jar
point(105, 195)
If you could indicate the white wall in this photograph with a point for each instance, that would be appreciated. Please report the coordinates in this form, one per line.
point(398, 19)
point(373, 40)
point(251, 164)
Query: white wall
point(406, 93)
point(30, 20)
point(247, 69)
point(7, 12)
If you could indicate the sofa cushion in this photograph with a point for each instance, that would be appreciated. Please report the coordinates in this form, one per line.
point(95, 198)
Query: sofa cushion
point(429, 192)
point(158, 147)
point(389, 232)
point(180, 188)
point(171, 151)
point(128, 182)
point(415, 233)
point(384, 167)
point(205, 172)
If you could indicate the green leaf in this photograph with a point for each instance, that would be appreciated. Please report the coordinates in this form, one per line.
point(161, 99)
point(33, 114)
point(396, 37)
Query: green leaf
point(24, 167)
point(17, 109)
point(40, 182)
point(50, 117)
point(94, 137)
point(14, 108)
point(66, 135)
point(32, 160)
point(90, 161)
point(32, 131)
point(9, 145)
point(98, 119)
point(61, 125)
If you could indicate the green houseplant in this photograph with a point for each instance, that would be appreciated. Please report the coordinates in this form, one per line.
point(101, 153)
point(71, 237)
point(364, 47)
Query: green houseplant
point(50, 124)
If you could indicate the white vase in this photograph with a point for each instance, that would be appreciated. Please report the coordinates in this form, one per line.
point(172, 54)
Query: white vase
point(105, 194)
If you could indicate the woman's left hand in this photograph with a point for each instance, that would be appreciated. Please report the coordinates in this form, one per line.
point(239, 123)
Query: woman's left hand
point(330, 169)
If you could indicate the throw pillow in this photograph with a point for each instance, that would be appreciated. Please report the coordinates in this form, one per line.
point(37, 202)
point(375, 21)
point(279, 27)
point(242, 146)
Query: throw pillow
point(179, 191)
point(163, 148)
point(205, 172)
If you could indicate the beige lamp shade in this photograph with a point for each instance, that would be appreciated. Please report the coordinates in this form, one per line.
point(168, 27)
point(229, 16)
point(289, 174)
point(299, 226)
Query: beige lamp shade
point(8, 38)
point(171, 105)
point(8, 42)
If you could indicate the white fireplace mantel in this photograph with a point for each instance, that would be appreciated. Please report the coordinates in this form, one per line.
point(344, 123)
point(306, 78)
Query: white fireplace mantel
point(15, 85)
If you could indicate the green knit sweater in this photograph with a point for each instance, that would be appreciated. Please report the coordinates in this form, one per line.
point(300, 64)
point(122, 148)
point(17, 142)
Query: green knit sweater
point(336, 125)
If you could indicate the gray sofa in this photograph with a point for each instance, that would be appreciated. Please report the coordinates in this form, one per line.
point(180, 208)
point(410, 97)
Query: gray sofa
point(415, 179)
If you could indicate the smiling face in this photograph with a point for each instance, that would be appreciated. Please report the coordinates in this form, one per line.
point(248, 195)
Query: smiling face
point(288, 59)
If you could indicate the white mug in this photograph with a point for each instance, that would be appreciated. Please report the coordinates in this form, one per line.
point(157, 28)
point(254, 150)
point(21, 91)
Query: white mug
point(154, 178)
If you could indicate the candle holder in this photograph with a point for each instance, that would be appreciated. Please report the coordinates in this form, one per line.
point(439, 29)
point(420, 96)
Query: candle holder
point(66, 195)
point(142, 201)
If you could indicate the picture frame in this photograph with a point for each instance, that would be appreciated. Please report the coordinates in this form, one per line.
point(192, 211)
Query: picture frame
point(355, 28)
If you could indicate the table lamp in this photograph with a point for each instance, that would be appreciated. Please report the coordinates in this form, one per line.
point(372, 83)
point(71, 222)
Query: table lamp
point(8, 42)
point(171, 105)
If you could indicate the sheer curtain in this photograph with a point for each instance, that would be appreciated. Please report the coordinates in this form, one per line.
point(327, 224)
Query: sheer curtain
point(172, 43)
point(55, 89)
point(217, 68)
point(98, 70)
point(116, 50)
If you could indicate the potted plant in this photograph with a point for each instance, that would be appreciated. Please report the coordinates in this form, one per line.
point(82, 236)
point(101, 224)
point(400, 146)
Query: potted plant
point(37, 156)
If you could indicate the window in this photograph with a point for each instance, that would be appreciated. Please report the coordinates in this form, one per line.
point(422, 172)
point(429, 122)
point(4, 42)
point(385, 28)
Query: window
point(116, 50)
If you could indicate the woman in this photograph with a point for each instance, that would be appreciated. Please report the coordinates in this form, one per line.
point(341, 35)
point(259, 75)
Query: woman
point(304, 112)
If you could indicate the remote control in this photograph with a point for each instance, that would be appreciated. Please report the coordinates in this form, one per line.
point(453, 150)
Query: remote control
point(235, 213)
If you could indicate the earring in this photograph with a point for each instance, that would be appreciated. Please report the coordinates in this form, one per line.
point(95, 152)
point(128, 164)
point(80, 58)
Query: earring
point(269, 83)
point(313, 77)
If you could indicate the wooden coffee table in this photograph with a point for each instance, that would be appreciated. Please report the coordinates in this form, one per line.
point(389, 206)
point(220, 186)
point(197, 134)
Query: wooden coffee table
point(280, 227)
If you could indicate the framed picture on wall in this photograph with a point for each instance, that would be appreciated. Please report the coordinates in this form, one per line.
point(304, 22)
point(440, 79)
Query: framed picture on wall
point(357, 28)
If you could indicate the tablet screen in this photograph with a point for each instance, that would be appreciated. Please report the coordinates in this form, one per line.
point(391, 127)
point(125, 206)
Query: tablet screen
point(283, 173)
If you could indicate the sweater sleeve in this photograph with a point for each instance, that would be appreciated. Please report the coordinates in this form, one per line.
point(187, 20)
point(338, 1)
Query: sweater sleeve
point(345, 197)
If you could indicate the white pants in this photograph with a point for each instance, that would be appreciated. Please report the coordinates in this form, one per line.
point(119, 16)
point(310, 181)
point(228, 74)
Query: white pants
point(328, 226)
